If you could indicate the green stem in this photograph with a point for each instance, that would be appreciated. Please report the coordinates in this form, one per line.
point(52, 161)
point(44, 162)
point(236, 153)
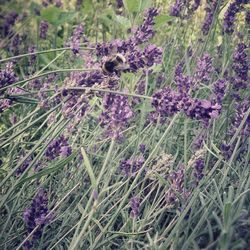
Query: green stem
point(135, 181)
point(40, 52)
point(76, 241)
point(45, 74)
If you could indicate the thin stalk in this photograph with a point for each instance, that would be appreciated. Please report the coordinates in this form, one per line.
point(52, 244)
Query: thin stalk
point(40, 52)
point(82, 232)
point(135, 181)
point(45, 74)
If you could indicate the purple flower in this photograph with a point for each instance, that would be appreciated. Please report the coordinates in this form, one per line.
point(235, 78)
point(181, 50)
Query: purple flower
point(9, 20)
point(23, 167)
point(119, 4)
point(166, 102)
point(58, 3)
point(195, 5)
point(116, 115)
point(230, 15)
point(179, 69)
point(32, 58)
point(145, 32)
point(131, 166)
point(135, 60)
point(7, 75)
point(44, 26)
point(65, 151)
point(240, 66)
point(152, 54)
point(201, 109)
point(184, 8)
point(142, 148)
point(198, 141)
point(219, 90)
point(135, 207)
point(35, 215)
point(15, 44)
point(176, 191)
point(241, 109)
point(75, 39)
point(226, 150)
point(58, 147)
point(176, 9)
point(204, 68)
point(141, 35)
point(199, 165)
point(210, 11)
point(248, 17)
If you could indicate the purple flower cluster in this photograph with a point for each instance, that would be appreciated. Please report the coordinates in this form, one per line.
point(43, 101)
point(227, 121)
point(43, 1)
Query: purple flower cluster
point(57, 3)
point(248, 17)
point(240, 66)
point(210, 11)
point(6, 103)
point(36, 215)
point(199, 165)
point(135, 207)
point(44, 26)
point(131, 166)
point(15, 44)
point(136, 57)
point(142, 148)
point(176, 9)
point(9, 20)
point(176, 191)
point(201, 109)
point(119, 4)
point(58, 147)
point(241, 109)
point(204, 68)
point(145, 32)
point(7, 75)
point(184, 8)
point(166, 102)
point(117, 112)
point(219, 90)
point(226, 150)
point(32, 58)
point(75, 39)
point(76, 107)
point(23, 167)
point(230, 15)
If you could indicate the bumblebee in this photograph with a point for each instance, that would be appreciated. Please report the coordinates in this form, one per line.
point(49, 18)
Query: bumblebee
point(115, 64)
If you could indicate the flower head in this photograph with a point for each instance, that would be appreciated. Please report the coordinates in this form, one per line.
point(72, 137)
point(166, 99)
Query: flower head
point(58, 147)
point(44, 26)
point(37, 215)
point(116, 115)
point(135, 207)
point(240, 66)
point(7, 75)
point(230, 15)
point(204, 68)
point(131, 166)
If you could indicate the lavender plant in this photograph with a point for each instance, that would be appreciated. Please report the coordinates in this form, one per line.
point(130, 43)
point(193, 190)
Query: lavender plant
point(124, 124)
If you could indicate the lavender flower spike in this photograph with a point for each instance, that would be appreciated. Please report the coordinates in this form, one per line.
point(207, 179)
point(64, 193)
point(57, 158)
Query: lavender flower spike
point(135, 207)
point(43, 29)
point(35, 215)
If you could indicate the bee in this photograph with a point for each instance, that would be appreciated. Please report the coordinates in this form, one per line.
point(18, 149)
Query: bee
point(115, 64)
